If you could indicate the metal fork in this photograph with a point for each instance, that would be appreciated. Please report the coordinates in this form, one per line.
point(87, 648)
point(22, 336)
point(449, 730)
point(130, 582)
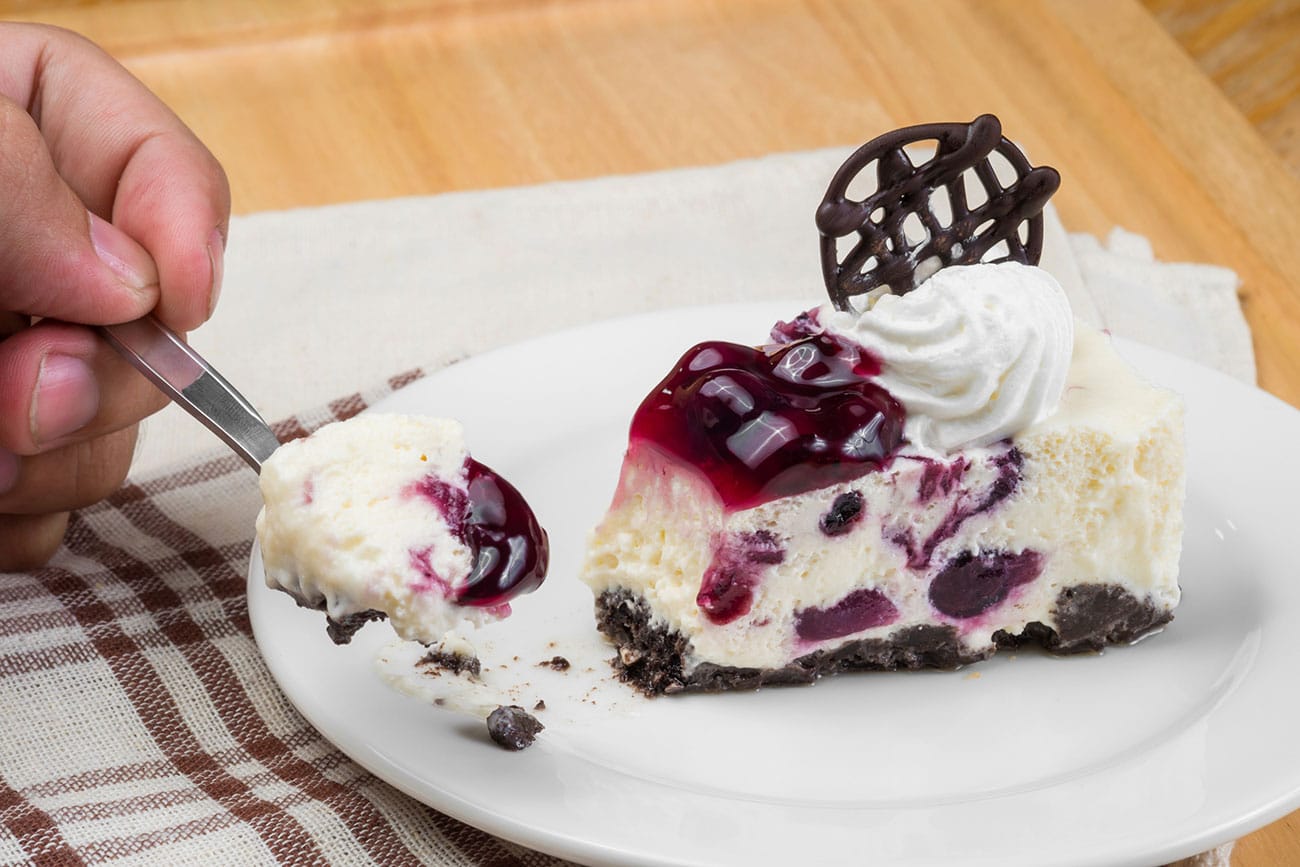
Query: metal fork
point(183, 375)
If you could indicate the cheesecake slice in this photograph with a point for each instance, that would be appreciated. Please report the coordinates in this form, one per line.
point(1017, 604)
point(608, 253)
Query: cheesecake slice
point(954, 470)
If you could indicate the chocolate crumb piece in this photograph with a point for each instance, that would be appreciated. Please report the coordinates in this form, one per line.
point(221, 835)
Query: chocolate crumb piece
point(541, 705)
point(341, 631)
point(513, 727)
point(453, 662)
point(557, 663)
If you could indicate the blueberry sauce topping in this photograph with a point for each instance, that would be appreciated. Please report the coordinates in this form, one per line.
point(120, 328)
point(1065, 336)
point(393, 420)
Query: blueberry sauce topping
point(766, 423)
point(844, 513)
point(971, 584)
point(509, 549)
point(856, 612)
point(727, 589)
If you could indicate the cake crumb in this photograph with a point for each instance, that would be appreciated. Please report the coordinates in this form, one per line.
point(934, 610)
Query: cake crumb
point(454, 654)
point(541, 705)
point(437, 661)
point(556, 663)
point(974, 675)
point(512, 727)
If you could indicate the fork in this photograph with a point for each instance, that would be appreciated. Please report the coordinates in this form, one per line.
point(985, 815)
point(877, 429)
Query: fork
point(184, 376)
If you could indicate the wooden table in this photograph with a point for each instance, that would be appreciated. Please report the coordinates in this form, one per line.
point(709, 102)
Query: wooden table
point(308, 103)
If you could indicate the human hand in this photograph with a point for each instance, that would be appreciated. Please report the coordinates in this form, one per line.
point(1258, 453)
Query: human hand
point(109, 208)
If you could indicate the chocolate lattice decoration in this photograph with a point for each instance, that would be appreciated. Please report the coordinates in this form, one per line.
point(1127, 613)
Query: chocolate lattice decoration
point(884, 256)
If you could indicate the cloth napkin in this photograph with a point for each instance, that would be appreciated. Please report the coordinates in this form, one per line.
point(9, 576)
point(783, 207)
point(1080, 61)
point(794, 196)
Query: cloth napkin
point(139, 723)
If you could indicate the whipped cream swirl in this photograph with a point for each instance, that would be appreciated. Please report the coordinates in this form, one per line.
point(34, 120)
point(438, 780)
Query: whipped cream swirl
point(975, 354)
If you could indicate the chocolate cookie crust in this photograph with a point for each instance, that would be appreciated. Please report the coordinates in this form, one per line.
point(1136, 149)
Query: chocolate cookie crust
point(650, 657)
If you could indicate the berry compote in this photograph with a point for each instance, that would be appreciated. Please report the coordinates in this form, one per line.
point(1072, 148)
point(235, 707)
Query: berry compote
point(771, 422)
point(509, 548)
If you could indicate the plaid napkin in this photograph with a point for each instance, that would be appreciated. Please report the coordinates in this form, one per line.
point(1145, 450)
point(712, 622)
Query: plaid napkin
point(138, 722)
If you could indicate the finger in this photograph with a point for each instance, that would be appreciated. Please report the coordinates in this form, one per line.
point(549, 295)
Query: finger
point(174, 199)
point(55, 259)
point(71, 477)
point(126, 154)
point(60, 384)
point(12, 323)
point(29, 541)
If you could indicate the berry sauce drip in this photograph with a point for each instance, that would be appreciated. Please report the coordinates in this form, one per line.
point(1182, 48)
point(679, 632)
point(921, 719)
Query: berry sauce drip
point(971, 584)
point(776, 421)
point(509, 549)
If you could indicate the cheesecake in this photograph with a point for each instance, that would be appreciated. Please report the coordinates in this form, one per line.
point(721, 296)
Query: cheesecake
point(946, 466)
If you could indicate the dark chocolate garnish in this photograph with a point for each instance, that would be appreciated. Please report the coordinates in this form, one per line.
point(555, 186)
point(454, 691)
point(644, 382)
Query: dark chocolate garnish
point(883, 255)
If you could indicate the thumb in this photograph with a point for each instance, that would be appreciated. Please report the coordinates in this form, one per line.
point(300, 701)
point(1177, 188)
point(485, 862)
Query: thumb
point(57, 259)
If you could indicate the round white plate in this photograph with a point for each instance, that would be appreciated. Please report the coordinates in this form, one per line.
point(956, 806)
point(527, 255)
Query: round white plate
point(1138, 756)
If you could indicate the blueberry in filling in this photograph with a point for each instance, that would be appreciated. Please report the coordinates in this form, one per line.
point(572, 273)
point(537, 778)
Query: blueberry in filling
point(971, 584)
point(844, 513)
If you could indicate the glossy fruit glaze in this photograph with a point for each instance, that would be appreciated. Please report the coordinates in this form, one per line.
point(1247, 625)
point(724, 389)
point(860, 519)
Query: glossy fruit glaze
point(509, 548)
point(770, 422)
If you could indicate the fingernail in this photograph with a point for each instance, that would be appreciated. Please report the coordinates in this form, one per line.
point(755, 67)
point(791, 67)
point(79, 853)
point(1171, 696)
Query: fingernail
point(67, 398)
point(124, 257)
point(8, 471)
point(217, 256)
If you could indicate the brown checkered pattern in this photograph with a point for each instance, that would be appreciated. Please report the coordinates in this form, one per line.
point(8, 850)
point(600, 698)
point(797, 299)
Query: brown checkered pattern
point(138, 723)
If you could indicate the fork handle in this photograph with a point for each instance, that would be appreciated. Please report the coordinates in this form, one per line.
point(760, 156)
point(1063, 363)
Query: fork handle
point(182, 374)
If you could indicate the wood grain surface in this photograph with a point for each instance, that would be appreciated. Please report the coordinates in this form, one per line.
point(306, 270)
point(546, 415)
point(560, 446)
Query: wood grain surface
point(1251, 50)
point(308, 103)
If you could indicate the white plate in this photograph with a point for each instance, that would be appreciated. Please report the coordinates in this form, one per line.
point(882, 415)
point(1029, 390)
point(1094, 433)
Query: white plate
point(1138, 756)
